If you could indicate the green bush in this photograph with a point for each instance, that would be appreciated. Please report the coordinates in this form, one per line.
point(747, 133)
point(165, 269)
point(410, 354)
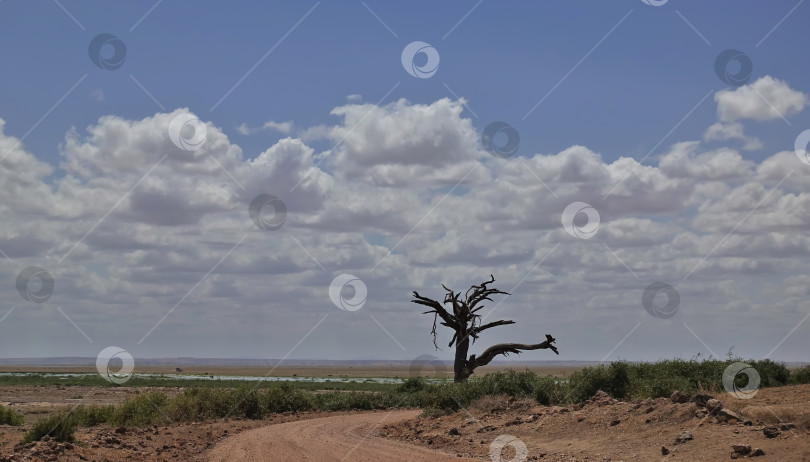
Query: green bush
point(800, 375)
point(288, 398)
point(613, 380)
point(9, 417)
point(90, 416)
point(549, 391)
point(412, 385)
point(199, 404)
point(246, 401)
point(511, 383)
point(60, 427)
point(771, 373)
point(141, 411)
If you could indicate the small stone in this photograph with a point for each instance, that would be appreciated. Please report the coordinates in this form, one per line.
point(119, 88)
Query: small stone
point(683, 437)
point(664, 450)
point(734, 455)
point(757, 452)
point(743, 449)
point(453, 431)
point(615, 422)
point(728, 414)
point(771, 432)
point(714, 406)
point(785, 426)
point(679, 397)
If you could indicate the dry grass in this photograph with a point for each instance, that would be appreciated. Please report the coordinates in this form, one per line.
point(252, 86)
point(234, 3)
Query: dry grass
point(774, 414)
point(501, 403)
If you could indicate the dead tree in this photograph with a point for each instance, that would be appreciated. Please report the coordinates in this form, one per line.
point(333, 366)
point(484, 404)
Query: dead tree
point(467, 324)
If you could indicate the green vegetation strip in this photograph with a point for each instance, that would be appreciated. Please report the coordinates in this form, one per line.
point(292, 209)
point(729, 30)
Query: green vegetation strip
point(94, 380)
point(621, 380)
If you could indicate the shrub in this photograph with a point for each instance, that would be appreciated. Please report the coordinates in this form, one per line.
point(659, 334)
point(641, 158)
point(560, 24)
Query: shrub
point(800, 375)
point(288, 397)
point(60, 427)
point(412, 385)
point(199, 404)
point(141, 411)
point(90, 416)
point(9, 417)
point(511, 383)
point(771, 373)
point(550, 391)
point(246, 401)
point(613, 380)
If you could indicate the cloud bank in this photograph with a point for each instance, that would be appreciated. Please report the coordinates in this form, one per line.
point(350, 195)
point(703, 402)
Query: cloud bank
point(152, 247)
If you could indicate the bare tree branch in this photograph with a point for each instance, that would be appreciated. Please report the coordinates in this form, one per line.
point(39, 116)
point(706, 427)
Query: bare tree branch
point(505, 348)
point(502, 322)
point(466, 324)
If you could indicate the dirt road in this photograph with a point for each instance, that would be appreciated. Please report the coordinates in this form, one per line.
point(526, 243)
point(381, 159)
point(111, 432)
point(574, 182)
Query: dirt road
point(351, 437)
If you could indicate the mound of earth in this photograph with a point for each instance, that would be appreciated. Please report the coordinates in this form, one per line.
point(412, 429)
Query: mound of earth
point(774, 425)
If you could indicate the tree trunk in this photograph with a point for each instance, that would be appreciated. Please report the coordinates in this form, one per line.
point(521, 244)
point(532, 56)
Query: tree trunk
point(460, 370)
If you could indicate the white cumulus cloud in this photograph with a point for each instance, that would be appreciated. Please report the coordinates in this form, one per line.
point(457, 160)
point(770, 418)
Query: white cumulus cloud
point(765, 99)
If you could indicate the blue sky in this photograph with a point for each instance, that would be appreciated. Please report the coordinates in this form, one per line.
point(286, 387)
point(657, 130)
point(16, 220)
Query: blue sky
point(384, 178)
point(622, 99)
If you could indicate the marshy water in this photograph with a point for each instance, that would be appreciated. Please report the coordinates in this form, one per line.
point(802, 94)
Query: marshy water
point(68, 375)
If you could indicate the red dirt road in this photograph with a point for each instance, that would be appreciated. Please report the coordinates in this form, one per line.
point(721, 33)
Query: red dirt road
point(351, 437)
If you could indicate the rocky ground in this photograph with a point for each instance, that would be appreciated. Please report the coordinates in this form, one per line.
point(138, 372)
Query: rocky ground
point(178, 442)
point(774, 425)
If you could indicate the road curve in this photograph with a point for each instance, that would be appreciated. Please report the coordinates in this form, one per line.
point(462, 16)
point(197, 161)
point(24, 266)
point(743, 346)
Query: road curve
point(351, 437)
